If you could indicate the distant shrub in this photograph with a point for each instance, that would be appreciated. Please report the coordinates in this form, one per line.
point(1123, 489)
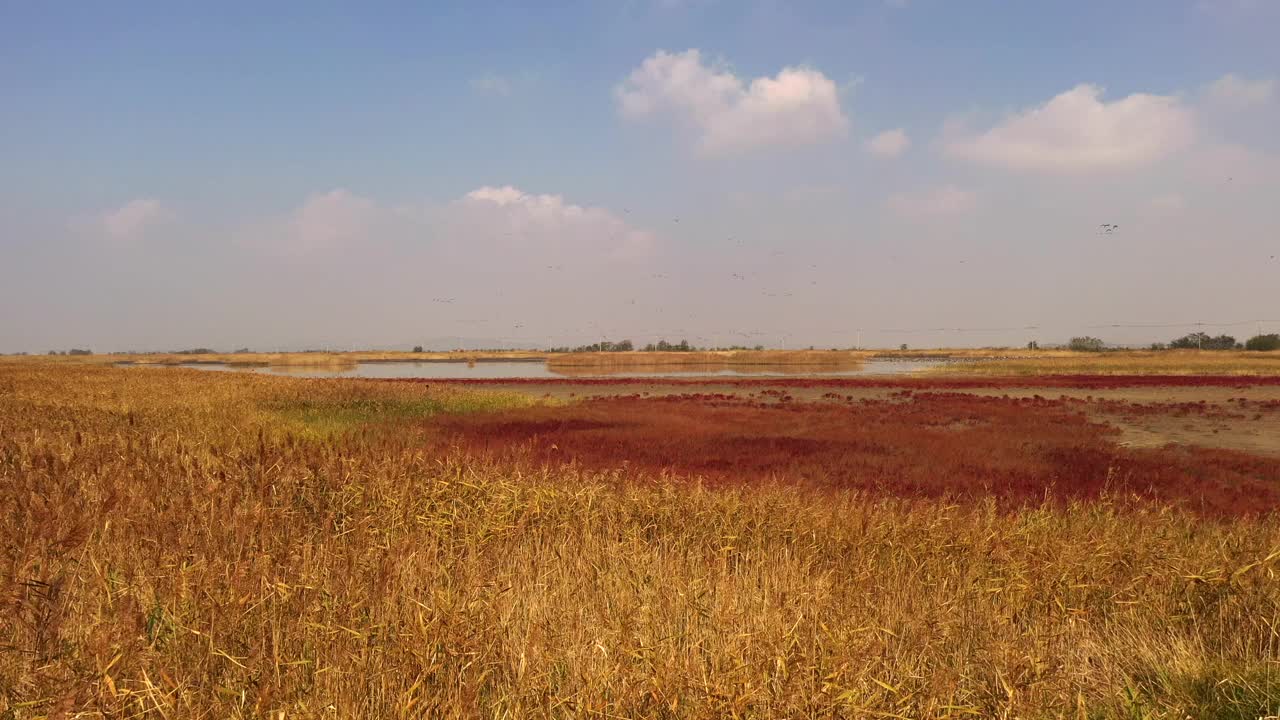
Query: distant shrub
point(1086, 344)
point(603, 346)
point(1263, 342)
point(664, 346)
point(195, 351)
point(1202, 341)
point(417, 348)
point(79, 351)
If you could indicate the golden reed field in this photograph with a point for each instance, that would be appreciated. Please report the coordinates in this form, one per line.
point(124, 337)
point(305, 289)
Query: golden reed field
point(182, 544)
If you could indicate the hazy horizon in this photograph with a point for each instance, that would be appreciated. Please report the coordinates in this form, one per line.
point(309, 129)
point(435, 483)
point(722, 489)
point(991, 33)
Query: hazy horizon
point(822, 173)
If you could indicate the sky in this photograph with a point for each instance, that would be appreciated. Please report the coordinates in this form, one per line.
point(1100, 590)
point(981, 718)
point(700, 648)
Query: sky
point(478, 174)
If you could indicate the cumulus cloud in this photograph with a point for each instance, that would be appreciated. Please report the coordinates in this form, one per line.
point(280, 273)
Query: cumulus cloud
point(947, 200)
point(508, 222)
point(548, 223)
point(132, 220)
point(1235, 92)
point(333, 219)
point(1078, 132)
point(890, 143)
point(797, 106)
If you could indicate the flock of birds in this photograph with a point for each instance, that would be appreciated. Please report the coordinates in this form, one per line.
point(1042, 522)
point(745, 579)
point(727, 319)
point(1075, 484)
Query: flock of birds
point(733, 277)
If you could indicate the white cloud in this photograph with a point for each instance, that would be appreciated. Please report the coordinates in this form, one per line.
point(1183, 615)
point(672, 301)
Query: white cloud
point(134, 219)
point(1077, 132)
point(799, 105)
point(890, 143)
point(947, 200)
point(548, 223)
point(1236, 92)
point(502, 221)
point(333, 219)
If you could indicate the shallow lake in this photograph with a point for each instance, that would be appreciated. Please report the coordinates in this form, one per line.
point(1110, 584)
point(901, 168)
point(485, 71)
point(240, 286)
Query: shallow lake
point(537, 369)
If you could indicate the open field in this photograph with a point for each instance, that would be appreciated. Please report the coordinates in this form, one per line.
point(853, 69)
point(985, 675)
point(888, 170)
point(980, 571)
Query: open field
point(189, 544)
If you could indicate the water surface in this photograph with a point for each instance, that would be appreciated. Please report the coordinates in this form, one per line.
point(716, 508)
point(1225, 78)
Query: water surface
point(538, 369)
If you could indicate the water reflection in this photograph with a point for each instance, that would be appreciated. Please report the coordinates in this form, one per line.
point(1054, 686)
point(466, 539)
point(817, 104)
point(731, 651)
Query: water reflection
point(706, 369)
point(511, 370)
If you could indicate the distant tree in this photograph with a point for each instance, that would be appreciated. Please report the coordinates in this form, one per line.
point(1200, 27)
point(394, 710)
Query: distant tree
point(1159, 346)
point(196, 351)
point(1086, 344)
point(53, 352)
point(758, 347)
point(78, 351)
point(664, 346)
point(903, 346)
point(243, 351)
point(1033, 345)
point(1263, 342)
point(1202, 341)
point(417, 348)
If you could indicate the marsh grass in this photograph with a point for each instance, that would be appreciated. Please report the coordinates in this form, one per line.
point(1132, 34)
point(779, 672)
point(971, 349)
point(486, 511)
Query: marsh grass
point(284, 359)
point(378, 405)
point(801, 360)
point(175, 547)
point(1165, 362)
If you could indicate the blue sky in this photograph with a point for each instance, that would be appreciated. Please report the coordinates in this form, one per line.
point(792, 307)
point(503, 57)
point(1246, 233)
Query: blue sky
point(314, 173)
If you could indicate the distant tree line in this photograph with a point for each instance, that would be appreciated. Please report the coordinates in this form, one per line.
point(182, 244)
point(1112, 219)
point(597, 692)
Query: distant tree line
point(602, 346)
point(1191, 341)
point(1202, 341)
point(660, 346)
point(664, 346)
point(1263, 342)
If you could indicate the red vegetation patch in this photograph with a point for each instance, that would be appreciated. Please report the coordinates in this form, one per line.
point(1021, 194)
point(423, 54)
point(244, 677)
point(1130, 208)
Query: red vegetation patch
point(928, 444)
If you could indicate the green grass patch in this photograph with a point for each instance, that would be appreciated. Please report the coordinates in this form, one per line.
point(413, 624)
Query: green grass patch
point(327, 415)
point(1219, 694)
